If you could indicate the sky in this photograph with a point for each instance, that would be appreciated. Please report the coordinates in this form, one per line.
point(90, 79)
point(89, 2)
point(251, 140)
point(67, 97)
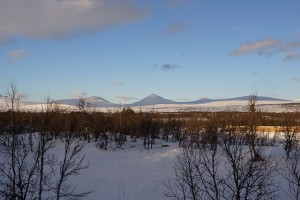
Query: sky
point(125, 50)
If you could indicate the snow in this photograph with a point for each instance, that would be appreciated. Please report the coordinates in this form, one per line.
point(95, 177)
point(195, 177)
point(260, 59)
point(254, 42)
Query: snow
point(164, 105)
point(134, 173)
point(129, 174)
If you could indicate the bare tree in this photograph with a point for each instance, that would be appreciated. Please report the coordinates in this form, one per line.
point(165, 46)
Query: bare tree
point(251, 134)
point(10, 143)
point(197, 173)
point(225, 171)
point(252, 101)
point(290, 133)
point(44, 154)
point(245, 177)
point(27, 174)
point(71, 165)
point(185, 184)
point(83, 107)
point(291, 173)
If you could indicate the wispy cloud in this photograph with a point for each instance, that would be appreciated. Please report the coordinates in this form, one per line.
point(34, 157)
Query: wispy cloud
point(125, 98)
point(166, 67)
point(171, 29)
point(115, 83)
point(295, 79)
point(291, 55)
point(264, 46)
point(17, 54)
point(61, 18)
point(270, 46)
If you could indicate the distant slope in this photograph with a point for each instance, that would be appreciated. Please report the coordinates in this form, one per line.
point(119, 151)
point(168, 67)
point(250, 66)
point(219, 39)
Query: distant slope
point(199, 101)
point(152, 99)
point(93, 101)
point(246, 98)
point(161, 103)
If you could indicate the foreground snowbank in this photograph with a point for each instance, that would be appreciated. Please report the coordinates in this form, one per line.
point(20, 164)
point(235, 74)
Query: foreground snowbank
point(132, 173)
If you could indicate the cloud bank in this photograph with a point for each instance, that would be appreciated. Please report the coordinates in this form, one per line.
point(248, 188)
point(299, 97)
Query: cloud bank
point(270, 46)
point(36, 19)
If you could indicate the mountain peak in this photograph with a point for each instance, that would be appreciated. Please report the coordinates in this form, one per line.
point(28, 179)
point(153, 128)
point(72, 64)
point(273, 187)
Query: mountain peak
point(152, 99)
point(154, 96)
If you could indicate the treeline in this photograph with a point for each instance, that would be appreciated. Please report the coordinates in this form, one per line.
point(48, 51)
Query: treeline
point(117, 127)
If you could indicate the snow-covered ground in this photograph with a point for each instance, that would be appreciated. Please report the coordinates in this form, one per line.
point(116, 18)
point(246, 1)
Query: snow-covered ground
point(134, 173)
point(128, 174)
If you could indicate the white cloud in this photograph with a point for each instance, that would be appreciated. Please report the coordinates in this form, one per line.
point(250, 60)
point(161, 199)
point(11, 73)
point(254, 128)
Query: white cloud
point(291, 55)
point(264, 46)
point(270, 46)
point(18, 54)
point(60, 18)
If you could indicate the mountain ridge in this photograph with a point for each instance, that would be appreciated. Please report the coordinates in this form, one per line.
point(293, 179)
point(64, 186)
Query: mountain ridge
point(92, 101)
point(154, 99)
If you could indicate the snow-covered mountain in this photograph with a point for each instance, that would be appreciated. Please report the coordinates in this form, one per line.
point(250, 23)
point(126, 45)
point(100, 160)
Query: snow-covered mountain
point(92, 101)
point(199, 101)
point(246, 98)
point(152, 99)
point(155, 103)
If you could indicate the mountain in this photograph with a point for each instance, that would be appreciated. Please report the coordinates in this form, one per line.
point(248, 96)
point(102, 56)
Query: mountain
point(243, 98)
point(199, 101)
point(246, 98)
point(153, 99)
point(93, 101)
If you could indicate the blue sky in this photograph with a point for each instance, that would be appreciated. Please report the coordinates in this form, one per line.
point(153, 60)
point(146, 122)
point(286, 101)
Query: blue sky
point(124, 50)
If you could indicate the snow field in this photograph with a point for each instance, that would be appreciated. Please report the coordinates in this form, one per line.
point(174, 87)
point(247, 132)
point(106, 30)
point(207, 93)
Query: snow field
point(135, 173)
point(126, 174)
